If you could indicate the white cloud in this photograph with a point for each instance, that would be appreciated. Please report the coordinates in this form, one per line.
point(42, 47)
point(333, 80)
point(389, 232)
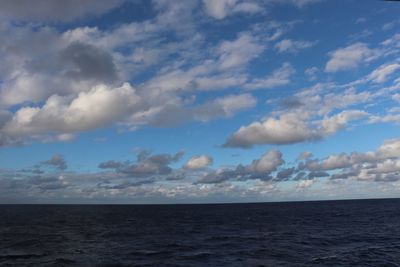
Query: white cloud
point(239, 52)
point(312, 73)
point(96, 108)
point(394, 118)
point(198, 162)
point(396, 97)
point(301, 3)
point(269, 162)
point(389, 149)
point(305, 184)
point(292, 46)
point(350, 57)
point(305, 155)
point(291, 128)
point(223, 8)
point(258, 169)
point(286, 129)
point(339, 121)
point(279, 77)
point(381, 74)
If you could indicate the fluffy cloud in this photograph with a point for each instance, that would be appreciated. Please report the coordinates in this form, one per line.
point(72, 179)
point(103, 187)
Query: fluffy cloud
point(258, 169)
point(350, 57)
point(152, 175)
point(198, 162)
point(287, 129)
point(146, 166)
point(95, 108)
point(339, 121)
point(290, 128)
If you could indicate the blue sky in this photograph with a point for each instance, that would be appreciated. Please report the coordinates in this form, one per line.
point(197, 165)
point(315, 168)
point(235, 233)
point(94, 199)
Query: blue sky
point(198, 101)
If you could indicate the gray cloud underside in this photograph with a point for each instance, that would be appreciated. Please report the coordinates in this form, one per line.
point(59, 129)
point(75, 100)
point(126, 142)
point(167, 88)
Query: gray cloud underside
point(58, 78)
point(152, 175)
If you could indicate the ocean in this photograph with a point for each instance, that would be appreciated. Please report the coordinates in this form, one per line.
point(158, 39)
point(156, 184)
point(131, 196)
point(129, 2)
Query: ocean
point(317, 233)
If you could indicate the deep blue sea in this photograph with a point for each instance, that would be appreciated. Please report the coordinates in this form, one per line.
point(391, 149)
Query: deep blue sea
point(325, 233)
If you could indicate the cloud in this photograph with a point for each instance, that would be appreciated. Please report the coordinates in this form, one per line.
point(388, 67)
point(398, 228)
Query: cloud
point(305, 184)
point(57, 161)
point(223, 8)
point(152, 176)
point(331, 125)
point(305, 155)
point(53, 11)
point(110, 164)
point(41, 63)
point(302, 3)
point(88, 62)
point(238, 52)
point(350, 57)
point(146, 166)
point(267, 163)
point(290, 128)
point(287, 129)
point(292, 46)
point(383, 164)
point(279, 77)
point(260, 169)
point(381, 74)
point(223, 107)
point(198, 162)
point(312, 73)
point(167, 115)
point(89, 110)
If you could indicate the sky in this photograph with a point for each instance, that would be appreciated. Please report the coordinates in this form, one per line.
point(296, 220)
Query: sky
point(198, 101)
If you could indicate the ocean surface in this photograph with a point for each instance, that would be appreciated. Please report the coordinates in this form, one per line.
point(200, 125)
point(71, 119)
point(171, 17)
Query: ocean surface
point(326, 233)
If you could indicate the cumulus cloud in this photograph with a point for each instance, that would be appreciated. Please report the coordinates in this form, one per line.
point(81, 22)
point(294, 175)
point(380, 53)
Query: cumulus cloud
point(198, 162)
point(146, 166)
point(95, 108)
point(261, 169)
point(290, 128)
point(350, 57)
point(379, 165)
point(57, 161)
point(287, 129)
point(152, 175)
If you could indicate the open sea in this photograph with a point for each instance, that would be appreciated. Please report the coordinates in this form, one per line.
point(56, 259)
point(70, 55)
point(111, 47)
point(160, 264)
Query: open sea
point(320, 233)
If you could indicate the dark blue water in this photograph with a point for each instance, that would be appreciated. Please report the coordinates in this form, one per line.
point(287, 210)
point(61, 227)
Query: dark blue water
point(331, 233)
